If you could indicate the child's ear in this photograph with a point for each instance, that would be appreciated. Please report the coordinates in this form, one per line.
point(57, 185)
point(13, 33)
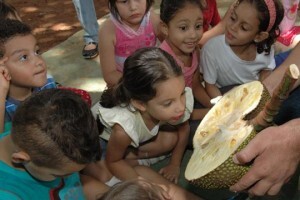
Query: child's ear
point(261, 36)
point(3, 60)
point(20, 157)
point(164, 28)
point(137, 104)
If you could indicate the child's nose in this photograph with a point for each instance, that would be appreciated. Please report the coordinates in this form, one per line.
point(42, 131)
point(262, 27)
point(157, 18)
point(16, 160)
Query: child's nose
point(132, 5)
point(193, 33)
point(180, 106)
point(39, 61)
point(234, 26)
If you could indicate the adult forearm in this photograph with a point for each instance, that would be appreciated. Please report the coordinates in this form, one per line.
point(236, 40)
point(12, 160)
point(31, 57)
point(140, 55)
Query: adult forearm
point(274, 79)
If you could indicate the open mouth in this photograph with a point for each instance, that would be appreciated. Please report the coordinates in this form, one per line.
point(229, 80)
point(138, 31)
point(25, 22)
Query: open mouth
point(177, 117)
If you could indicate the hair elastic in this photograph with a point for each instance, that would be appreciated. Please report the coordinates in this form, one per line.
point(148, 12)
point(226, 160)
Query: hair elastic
point(272, 12)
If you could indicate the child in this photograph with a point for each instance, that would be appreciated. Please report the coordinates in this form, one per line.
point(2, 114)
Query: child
point(212, 24)
point(151, 187)
point(21, 59)
point(289, 32)
point(131, 26)
point(245, 52)
point(23, 70)
point(145, 116)
point(182, 23)
point(53, 136)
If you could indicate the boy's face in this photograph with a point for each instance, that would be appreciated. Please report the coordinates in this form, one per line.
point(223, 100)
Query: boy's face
point(23, 60)
point(49, 174)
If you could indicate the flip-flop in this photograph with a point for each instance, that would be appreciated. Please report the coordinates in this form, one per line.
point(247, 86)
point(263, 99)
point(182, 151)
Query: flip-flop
point(91, 53)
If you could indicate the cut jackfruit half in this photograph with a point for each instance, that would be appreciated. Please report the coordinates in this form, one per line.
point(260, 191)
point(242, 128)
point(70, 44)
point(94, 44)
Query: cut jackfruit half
point(223, 130)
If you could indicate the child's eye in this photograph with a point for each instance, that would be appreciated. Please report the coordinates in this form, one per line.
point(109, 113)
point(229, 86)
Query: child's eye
point(243, 28)
point(23, 58)
point(232, 18)
point(167, 104)
point(124, 1)
point(38, 52)
point(199, 26)
point(183, 28)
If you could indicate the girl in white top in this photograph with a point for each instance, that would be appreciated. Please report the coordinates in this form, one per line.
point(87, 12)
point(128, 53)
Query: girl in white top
point(146, 115)
point(245, 52)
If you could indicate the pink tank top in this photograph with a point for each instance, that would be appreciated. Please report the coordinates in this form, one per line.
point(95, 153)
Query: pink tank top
point(129, 40)
point(188, 71)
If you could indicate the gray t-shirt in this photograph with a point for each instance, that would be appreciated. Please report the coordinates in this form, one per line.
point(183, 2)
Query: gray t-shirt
point(221, 66)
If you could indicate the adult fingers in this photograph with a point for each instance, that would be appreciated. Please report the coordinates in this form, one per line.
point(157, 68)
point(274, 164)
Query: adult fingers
point(249, 179)
point(275, 189)
point(247, 154)
point(260, 188)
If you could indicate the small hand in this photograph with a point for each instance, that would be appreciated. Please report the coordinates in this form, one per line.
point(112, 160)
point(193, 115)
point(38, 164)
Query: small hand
point(170, 172)
point(4, 79)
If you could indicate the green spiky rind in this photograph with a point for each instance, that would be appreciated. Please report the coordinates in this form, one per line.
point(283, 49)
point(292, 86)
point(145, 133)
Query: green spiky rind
point(265, 97)
point(227, 174)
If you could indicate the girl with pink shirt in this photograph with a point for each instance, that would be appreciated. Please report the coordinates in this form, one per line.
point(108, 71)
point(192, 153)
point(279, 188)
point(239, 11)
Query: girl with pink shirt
point(131, 25)
point(182, 23)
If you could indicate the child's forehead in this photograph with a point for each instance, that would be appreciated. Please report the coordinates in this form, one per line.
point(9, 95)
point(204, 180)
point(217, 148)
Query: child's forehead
point(244, 9)
point(19, 42)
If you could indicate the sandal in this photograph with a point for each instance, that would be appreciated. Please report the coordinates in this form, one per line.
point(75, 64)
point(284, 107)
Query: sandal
point(91, 53)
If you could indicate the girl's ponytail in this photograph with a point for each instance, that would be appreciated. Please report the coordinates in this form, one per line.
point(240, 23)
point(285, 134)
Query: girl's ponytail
point(117, 95)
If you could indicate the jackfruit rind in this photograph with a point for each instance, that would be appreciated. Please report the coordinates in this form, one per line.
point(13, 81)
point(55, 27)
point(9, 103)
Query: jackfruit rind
point(226, 174)
point(264, 99)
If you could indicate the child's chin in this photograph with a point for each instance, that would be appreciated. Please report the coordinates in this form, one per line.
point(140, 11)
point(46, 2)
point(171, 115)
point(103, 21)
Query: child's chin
point(40, 83)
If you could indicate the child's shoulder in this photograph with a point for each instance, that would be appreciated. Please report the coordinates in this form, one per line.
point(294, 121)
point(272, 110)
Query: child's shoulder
point(107, 30)
point(214, 42)
point(107, 25)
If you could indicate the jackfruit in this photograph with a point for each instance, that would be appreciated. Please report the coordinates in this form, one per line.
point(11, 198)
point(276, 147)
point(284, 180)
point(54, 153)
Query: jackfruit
point(222, 132)
point(229, 126)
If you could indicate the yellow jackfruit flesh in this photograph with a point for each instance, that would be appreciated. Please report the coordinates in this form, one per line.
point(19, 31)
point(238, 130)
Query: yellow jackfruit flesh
point(224, 131)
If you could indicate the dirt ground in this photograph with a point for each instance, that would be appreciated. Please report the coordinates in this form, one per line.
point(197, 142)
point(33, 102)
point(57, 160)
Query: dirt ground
point(53, 21)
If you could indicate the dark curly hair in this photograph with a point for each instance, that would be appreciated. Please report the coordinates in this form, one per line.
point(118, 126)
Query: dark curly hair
point(168, 8)
point(54, 127)
point(10, 28)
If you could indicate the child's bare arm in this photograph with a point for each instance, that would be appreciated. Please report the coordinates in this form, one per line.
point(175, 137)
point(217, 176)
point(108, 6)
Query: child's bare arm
point(212, 90)
point(199, 91)
point(176, 192)
point(92, 187)
point(155, 19)
point(264, 74)
point(219, 28)
point(107, 54)
point(172, 170)
point(4, 87)
point(117, 145)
